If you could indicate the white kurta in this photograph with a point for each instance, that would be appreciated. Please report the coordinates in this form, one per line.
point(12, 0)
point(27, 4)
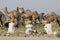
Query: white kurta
point(48, 28)
point(28, 28)
point(11, 27)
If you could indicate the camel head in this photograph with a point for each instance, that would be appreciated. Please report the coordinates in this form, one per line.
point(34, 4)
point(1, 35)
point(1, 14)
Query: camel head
point(21, 10)
point(51, 16)
point(4, 9)
point(28, 12)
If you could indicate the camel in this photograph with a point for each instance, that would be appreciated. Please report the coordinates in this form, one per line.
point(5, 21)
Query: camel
point(26, 15)
point(35, 16)
point(20, 12)
point(13, 13)
point(58, 20)
point(3, 16)
point(50, 17)
point(2, 19)
point(41, 16)
point(30, 15)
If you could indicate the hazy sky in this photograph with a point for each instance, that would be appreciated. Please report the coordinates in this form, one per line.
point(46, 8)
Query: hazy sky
point(39, 5)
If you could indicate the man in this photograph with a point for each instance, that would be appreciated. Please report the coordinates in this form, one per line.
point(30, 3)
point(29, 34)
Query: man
point(29, 26)
point(11, 28)
point(48, 28)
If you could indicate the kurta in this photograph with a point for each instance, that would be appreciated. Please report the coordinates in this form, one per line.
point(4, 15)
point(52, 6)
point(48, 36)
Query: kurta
point(48, 28)
point(11, 27)
point(28, 28)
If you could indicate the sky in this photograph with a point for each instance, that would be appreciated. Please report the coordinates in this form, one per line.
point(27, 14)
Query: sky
point(39, 5)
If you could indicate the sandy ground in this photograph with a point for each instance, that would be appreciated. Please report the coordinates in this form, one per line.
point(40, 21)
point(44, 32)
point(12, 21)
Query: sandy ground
point(27, 38)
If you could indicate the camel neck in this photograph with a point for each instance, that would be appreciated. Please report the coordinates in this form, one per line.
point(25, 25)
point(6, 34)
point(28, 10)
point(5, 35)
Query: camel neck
point(5, 15)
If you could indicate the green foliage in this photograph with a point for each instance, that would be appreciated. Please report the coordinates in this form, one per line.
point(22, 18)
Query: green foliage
point(55, 26)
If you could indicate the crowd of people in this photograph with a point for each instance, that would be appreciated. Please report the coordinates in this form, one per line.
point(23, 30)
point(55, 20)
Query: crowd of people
point(29, 29)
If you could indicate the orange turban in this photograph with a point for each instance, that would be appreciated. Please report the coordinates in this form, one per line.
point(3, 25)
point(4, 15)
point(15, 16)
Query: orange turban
point(12, 20)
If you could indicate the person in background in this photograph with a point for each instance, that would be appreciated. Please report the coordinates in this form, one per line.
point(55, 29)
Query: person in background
point(11, 28)
point(29, 26)
point(48, 28)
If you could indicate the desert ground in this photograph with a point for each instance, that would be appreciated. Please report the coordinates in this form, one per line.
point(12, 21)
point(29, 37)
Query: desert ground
point(27, 38)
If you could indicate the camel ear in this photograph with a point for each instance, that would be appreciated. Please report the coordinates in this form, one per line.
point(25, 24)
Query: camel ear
point(17, 8)
point(4, 9)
